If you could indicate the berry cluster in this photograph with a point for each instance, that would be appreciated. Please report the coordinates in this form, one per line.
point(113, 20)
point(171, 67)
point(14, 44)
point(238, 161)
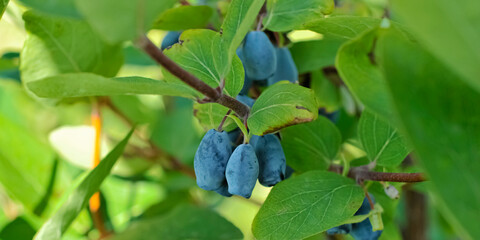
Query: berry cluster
point(359, 231)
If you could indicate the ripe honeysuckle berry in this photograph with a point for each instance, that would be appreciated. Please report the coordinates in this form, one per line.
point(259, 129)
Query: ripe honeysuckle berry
point(211, 160)
point(246, 100)
point(286, 69)
point(170, 39)
point(242, 171)
point(259, 55)
point(271, 159)
point(342, 229)
point(363, 230)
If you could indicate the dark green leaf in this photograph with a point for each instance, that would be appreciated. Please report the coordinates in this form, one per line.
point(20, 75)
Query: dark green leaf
point(184, 17)
point(316, 54)
point(326, 92)
point(184, 222)
point(57, 45)
point(441, 118)
point(63, 8)
point(197, 55)
point(55, 227)
point(122, 20)
point(88, 84)
point(361, 76)
point(382, 142)
point(308, 204)
point(281, 105)
point(18, 229)
point(3, 6)
point(447, 24)
point(285, 15)
point(311, 145)
point(211, 114)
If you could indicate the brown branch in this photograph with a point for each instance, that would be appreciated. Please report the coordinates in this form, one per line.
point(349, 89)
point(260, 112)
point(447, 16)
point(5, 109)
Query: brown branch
point(216, 96)
point(363, 174)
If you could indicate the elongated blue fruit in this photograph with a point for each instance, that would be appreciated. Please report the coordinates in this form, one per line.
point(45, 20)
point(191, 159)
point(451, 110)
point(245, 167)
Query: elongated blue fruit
point(271, 159)
point(259, 55)
point(211, 160)
point(342, 229)
point(363, 230)
point(223, 190)
point(246, 100)
point(242, 171)
point(170, 39)
point(286, 69)
point(247, 82)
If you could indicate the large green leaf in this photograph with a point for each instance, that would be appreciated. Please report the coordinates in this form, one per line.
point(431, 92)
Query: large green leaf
point(64, 8)
point(441, 118)
point(326, 93)
point(122, 20)
point(312, 145)
point(342, 27)
point(360, 74)
point(210, 115)
point(184, 17)
point(58, 45)
point(313, 55)
point(184, 222)
point(285, 15)
point(197, 55)
point(3, 6)
point(305, 205)
point(25, 163)
point(89, 84)
point(240, 17)
point(55, 227)
point(381, 141)
point(281, 105)
point(447, 24)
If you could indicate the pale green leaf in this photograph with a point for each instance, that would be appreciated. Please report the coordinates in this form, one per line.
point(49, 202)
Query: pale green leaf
point(89, 84)
point(211, 114)
point(381, 141)
point(342, 27)
point(281, 105)
point(184, 17)
point(313, 55)
point(440, 116)
point(306, 205)
point(54, 228)
point(184, 222)
point(122, 20)
point(3, 6)
point(58, 45)
point(449, 30)
point(196, 54)
point(285, 15)
point(312, 145)
point(361, 76)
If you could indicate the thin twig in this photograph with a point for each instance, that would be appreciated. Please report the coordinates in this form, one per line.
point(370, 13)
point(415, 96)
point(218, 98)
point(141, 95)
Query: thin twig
point(363, 174)
point(156, 54)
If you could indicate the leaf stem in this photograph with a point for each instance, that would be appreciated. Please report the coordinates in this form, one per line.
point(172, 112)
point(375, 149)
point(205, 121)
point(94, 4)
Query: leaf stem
point(220, 127)
point(156, 54)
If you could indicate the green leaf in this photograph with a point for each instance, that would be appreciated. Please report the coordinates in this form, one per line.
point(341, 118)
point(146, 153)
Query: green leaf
point(89, 84)
point(313, 55)
point(362, 77)
point(326, 93)
point(58, 45)
point(285, 15)
point(342, 27)
point(241, 126)
point(239, 20)
point(184, 17)
point(122, 20)
point(57, 225)
point(3, 6)
point(197, 55)
point(211, 114)
point(381, 141)
point(23, 173)
point(312, 145)
point(281, 105)
point(440, 115)
point(184, 222)
point(305, 205)
point(62, 8)
point(18, 229)
point(447, 24)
